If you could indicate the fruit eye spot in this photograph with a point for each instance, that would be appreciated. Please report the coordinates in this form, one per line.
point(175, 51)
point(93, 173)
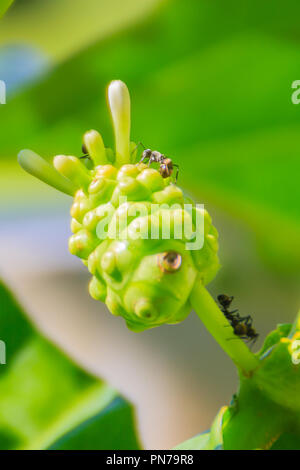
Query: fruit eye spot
point(170, 261)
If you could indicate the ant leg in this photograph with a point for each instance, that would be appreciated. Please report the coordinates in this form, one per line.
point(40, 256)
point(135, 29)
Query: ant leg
point(142, 159)
point(151, 160)
point(248, 320)
point(137, 146)
point(252, 341)
point(230, 317)
point(239, 337)
point(177, 171)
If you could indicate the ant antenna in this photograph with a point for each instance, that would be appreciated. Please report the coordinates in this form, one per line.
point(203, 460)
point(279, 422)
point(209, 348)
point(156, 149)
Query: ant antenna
point(85, 152)
point(177, 171)
point(136, 147)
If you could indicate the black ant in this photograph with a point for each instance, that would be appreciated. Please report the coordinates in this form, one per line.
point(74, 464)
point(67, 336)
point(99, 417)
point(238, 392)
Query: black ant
point(246, 331)
point(242, 326)
point(225, 302)
point(166, 165)
point(85, 152)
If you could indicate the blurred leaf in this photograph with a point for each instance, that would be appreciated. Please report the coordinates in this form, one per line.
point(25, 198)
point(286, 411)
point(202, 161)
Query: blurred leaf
point(20, 65)
point(266, 408)
point(112, 428)
point(287, 441)
point(213, 93)
point(198, 442)
point(62, 27)
point(4, 5)
point(211, 440)
point(264, 413)
point(47, 401)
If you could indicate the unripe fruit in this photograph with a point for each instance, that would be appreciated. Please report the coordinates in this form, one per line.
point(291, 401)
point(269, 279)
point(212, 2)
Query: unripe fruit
point(131, 226)
point(145, 280)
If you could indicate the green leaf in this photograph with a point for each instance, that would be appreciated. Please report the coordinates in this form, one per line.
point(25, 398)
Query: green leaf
point(4, 5)
point(210, 440)
point(266, 411)
point(47, 401)
point(111, 428)
point(198, 442)
point(287, 441)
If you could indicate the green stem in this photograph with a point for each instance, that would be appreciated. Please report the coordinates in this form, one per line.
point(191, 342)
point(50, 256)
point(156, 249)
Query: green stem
point(217, 324)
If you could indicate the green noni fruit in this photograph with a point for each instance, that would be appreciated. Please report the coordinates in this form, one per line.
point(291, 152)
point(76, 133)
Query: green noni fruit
point(143, 241)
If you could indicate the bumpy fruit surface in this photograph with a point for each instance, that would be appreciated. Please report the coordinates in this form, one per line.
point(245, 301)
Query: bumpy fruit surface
point(142, 277)
point(129, 224)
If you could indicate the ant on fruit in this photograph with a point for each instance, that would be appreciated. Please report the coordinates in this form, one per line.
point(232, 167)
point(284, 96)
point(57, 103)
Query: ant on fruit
point(166, 165)
point(242, 326)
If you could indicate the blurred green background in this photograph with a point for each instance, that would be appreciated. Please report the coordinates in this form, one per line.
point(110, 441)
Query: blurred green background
point(210, 85)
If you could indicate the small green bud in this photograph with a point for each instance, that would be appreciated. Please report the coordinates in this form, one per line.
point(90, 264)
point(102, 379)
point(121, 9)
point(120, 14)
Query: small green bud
point(95, 147)
point(75, 226)
point(82, 243)
point(128, 170)
point(73, 169)
point(97, 289)
point(169, 195)
point(106, 171)
point(38, 167)
point(108, 263)
point(82, 204)
point(97, 185)
point(145, 310)
point(119, 105)
point(151, 179)
point(133, 190)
